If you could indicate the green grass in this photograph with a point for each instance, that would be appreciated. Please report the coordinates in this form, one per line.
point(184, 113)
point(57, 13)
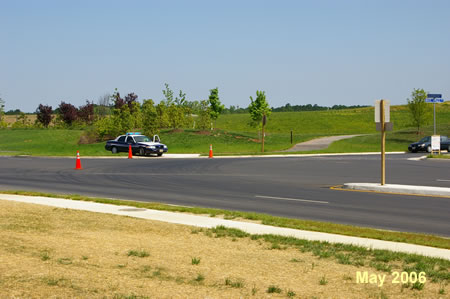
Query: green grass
point(412, 238)
point(436, 269)
point(41, 142)
point(53, 142)
point(439, 156)
point(138, 253)
point(323, 281)
point(237, 283)
point(332, 122)
point(235, 136)
point(273, 289)
point(199, 278)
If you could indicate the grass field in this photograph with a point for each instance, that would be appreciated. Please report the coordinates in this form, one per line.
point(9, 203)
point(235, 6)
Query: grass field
point(50, 252)
point(235, 136)
point(10, 119)
point(331, 122)
point(310, 225)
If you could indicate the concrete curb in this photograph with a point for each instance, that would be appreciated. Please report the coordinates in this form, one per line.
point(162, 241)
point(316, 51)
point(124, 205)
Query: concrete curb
point(209, 222)
point(198, 156)
point(310, 155)
point(404, 189)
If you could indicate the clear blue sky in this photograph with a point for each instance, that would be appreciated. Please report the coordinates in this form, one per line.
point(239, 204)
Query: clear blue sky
point(318, 52)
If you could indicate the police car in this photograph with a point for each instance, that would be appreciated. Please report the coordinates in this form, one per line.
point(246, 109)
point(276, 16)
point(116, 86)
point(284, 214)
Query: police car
point(140, 144)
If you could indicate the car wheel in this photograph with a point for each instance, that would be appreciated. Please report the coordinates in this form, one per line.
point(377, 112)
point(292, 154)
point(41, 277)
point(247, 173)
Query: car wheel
point(429, 149)
point(114, 150)
point(160, 154)
point(448, 149)
point(141, 151)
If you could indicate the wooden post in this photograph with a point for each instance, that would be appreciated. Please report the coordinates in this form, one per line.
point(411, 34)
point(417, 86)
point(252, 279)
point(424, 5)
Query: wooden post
point(383, 144)
point(291, 137)
point(263, 125)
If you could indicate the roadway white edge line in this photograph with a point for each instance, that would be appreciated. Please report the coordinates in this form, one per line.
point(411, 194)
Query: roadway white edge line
point(292, 199)
point(417, 158)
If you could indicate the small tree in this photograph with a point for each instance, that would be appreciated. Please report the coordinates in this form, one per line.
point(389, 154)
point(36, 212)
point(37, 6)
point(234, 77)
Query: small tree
point(258, 108)
point(181, 99)
point(149, 118)
point(130, 100)
point(168, 95)
point(68, 113)
point(172, 113)
point(118, 101)
point(162, 117)
point(136, 115)
point(204, 115)
point(418, 108)
point(215, 105)
point(21, 121)
point(44, 115)
point(104, 105)
point(86, 113)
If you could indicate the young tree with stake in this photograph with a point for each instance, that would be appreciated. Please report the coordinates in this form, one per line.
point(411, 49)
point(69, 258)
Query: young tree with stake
point(259, 110)
point(215, 106)
point(418, 108)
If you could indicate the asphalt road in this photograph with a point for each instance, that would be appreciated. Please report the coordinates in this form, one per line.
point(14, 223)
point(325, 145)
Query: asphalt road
point(290, 187)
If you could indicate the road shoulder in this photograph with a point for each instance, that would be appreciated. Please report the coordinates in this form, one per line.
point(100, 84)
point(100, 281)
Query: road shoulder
point(209, 222)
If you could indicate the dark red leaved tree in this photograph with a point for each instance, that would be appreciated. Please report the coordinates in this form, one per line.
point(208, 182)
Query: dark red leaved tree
point(86, 113)
point(68, 112)
point(44, 114)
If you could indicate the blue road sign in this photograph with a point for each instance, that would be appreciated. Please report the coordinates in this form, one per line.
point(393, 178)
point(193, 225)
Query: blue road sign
point(433, 100)
point(434, 95)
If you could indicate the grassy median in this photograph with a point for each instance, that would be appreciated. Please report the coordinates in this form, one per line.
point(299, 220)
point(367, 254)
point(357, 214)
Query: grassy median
point(52, 252)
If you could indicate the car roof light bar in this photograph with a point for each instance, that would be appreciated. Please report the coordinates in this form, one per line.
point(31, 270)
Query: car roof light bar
point(133, 133)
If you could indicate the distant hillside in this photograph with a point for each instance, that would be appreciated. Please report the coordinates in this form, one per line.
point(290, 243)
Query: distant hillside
point(346, 121)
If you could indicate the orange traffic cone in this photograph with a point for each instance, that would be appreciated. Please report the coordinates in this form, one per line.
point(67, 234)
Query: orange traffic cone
point(130, 152)
point(78, 163)
point(210, 151)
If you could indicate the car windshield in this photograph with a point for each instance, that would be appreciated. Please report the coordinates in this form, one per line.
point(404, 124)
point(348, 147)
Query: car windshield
point(142, 138)
point(425, 139)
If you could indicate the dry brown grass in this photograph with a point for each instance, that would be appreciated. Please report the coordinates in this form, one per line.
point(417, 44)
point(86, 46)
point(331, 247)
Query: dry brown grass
point(10, 119)
point(49, 252)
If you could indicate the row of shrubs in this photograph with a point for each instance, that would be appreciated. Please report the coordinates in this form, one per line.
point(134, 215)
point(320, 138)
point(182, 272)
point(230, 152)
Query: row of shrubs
point(103, 122)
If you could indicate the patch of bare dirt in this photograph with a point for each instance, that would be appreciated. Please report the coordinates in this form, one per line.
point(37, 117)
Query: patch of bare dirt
point(175, 131)
point(203, 132)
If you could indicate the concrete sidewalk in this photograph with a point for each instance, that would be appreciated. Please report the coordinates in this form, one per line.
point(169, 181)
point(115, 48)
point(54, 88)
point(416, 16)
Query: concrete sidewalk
point(209, 222)
point(400, 189)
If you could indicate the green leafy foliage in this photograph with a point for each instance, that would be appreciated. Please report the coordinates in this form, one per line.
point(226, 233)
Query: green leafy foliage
point(168, 94)
point(215, 106)
point(172, 113)
point(204, 116)
point(420, 111)
point(149, 118)
point(259, 107)
point(21, 122)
